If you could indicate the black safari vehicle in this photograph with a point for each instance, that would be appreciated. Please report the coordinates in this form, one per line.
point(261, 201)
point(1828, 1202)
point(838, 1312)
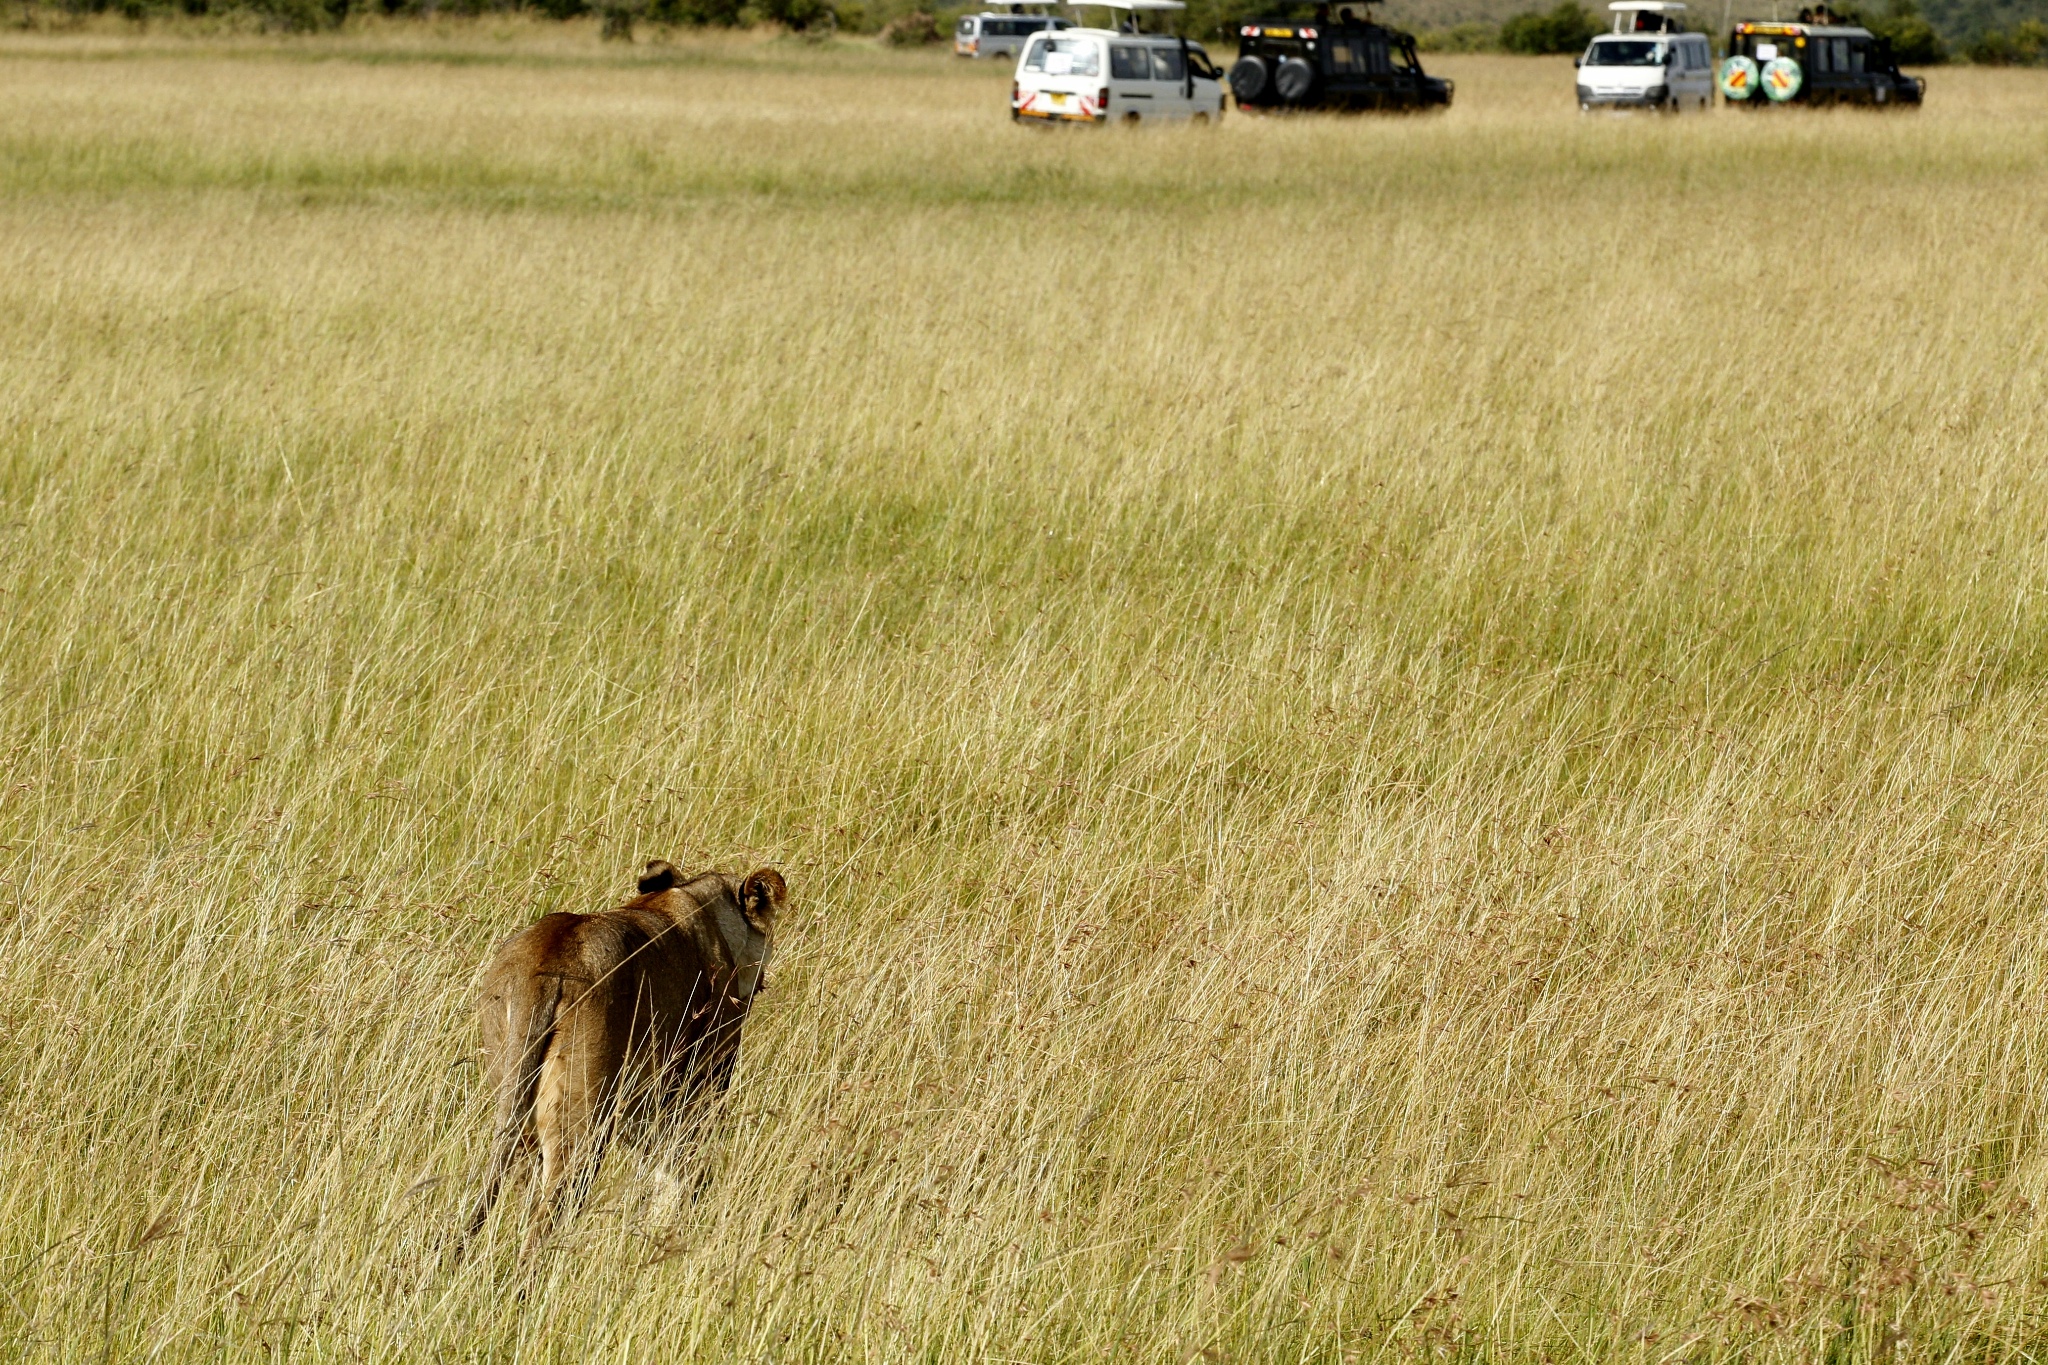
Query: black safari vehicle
point(1338, 60)
point(1817, 62)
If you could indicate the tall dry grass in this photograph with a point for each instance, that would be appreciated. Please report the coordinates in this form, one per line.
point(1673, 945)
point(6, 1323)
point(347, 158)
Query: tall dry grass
point(1392, 739)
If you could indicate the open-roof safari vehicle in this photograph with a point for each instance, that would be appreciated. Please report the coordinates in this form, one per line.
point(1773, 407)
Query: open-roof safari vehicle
point(1649, 61)
point(1338, 59)
point(1122, 73)
point(1001, 30)
point(1813, 61)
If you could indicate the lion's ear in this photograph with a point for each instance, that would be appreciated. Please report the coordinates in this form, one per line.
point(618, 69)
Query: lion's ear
point(659, 876)
point(761, 896)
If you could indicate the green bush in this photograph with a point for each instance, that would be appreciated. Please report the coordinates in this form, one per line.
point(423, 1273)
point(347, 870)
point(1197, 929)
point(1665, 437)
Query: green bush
point(1468, 37)
point(2024, 44)
point(1567, 28)
point(797, 16)
point(695, 13)
point(1914, 41)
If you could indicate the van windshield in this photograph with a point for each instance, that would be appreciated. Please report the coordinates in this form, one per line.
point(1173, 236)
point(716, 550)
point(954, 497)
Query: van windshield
point(1064, 57)
point(1626, 53)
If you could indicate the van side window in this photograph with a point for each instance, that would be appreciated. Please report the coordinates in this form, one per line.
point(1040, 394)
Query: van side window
point(1167, 64)
point(1859, 58)
point(1344, 58)
point(1129, 64)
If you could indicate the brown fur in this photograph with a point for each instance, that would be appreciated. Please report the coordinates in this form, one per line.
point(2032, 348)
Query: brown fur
point(619, 1022)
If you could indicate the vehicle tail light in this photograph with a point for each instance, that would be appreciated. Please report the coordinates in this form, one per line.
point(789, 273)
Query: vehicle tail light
point(1102, 100)
point(1016, 95)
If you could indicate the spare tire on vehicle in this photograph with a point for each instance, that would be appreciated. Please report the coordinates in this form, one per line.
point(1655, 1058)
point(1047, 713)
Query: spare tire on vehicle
point(1248, 79)
point(1294, 80)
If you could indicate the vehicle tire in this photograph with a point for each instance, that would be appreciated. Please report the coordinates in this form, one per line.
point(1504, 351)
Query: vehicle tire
point(1294, 80)
point(1131, 119)
point(1201, 118)
point(1249, 79)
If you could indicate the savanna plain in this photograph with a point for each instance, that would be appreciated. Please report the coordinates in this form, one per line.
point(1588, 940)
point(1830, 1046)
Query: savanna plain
point(1397, 739)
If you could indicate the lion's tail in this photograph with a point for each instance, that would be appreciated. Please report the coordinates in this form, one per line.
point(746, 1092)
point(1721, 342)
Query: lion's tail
point(534, 1007)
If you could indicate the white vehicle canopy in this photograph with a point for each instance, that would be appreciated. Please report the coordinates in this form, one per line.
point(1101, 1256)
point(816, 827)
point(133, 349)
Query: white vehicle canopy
point(1127, 16)
point(1648, 16)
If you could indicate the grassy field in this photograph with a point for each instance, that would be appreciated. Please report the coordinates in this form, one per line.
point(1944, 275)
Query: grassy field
point(1402, 739)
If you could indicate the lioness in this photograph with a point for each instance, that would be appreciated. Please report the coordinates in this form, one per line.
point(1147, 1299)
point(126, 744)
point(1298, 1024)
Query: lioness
point(607, 1023)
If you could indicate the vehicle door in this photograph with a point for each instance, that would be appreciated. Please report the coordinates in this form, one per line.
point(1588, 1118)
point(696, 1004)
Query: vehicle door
point(1699, 75)
point(1861, 78)
point(1346, 64)
point(1205, 83)
point(1817, 78)
point(1379, 71)
point(1868, 68)
point(1131, 92)
point(1170, 82)
point(1407, 73)
point(1678, 72)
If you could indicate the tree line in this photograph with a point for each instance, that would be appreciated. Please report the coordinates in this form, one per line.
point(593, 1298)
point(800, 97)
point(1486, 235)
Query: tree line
point(1565, 28)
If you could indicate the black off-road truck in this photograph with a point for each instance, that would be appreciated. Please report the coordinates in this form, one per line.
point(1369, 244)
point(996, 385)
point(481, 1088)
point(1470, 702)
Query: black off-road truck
point(1339, 59)
point(1826, 63)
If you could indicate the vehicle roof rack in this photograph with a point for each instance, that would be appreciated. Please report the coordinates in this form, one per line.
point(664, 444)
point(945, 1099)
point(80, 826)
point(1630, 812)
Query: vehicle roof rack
point(1648, 16)
point(1131, 10)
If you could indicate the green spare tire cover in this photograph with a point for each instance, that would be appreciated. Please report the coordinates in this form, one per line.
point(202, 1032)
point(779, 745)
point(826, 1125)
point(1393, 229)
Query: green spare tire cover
point(1738, 78)
point(1782, 78)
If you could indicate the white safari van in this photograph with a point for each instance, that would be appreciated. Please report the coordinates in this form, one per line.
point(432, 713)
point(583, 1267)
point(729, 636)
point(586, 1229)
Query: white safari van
point(1000, 35)
point(1649, 61)
point(1121, 74)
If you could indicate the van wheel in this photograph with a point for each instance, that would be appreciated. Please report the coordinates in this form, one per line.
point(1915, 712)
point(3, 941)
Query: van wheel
point(1201, 117)
point(1131, 118)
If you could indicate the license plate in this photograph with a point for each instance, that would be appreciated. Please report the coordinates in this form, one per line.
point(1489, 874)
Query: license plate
point(1060, 101)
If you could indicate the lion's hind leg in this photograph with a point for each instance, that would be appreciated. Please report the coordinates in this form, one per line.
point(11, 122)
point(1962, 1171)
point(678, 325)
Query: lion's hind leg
point(574, 1114)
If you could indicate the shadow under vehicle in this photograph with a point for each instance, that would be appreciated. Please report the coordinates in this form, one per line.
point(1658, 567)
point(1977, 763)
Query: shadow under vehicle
point(1813, 61)
point(1340, 59)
